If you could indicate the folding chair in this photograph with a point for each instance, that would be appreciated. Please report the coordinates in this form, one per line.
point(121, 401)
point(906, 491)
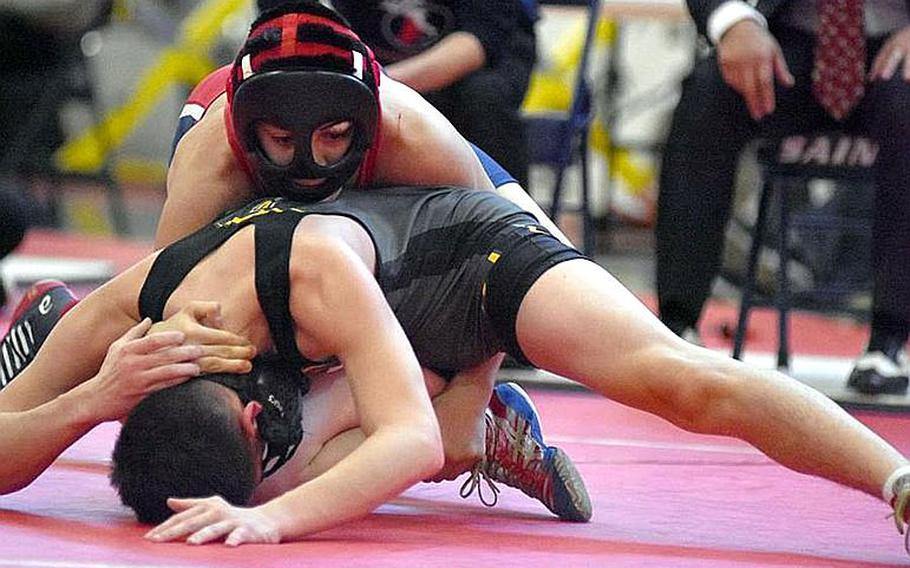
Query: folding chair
point(557, 139)
point(787, 164)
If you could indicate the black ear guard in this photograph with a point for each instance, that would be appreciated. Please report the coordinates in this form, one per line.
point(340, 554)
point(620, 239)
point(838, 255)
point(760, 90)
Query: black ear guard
point(278, 387)
point(301, 102)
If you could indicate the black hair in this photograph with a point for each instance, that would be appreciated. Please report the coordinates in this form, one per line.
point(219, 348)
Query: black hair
point(183, 441)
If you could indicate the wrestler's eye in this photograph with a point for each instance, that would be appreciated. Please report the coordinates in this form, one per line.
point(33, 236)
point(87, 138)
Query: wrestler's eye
point(337, 131)
point(331, 142)
point(277, 143)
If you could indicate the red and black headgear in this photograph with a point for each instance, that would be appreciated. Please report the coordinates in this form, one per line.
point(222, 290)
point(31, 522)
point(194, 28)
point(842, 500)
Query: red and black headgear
point(300, 68)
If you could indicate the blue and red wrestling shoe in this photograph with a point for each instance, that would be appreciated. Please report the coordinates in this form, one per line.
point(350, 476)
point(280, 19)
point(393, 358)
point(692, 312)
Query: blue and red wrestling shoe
point(517, 456)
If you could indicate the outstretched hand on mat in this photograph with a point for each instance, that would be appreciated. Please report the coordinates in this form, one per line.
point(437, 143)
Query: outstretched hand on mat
point(204, 520)
point(201, 323)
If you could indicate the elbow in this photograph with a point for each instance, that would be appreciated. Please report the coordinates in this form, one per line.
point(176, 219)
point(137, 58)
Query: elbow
point(434, 455)
point(426, 447)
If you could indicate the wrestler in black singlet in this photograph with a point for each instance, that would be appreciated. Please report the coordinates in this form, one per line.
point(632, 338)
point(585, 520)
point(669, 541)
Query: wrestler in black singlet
point(454, 265)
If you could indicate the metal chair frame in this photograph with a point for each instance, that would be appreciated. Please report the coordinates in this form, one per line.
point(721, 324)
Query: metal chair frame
point(780, 178)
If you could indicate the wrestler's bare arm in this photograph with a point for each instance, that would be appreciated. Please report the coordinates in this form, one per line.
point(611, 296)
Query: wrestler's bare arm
point(203, 180)
point(94, 367)
point(76, 346)
point(63, 393)
point(329, 414)
point(402, 444)
point(459, 409)
point(419, 146)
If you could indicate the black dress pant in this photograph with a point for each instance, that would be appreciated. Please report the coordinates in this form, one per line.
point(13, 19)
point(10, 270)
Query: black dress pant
point(710, 127)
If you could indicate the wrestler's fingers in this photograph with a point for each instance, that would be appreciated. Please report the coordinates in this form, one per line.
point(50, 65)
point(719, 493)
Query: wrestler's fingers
point(137, 330)
point(209, 312)
point(229, 351)
point(171, 375)
point(221, 365)
point(174, 354)
point(182, 504)
point(237, 537)
point(211, 532)
point(153, 342)
point(186, 521)
point(211, 336)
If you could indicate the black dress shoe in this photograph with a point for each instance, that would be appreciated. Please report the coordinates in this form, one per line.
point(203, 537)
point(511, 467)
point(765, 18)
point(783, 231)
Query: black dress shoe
point(881, 371)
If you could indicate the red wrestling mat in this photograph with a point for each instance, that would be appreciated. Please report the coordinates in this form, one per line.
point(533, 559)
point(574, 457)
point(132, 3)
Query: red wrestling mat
point(810, 333)
point(43, 242)
point(662, 498)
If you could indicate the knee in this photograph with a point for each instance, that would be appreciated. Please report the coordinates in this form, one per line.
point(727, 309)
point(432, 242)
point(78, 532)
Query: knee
point(699, 392)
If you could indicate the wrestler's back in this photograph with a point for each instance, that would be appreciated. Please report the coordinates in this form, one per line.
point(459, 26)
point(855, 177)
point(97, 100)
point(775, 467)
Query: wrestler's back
point(227, 276)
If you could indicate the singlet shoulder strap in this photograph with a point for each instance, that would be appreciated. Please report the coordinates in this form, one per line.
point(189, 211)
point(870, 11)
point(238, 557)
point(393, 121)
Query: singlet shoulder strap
point(274, 237)
point(174, 263)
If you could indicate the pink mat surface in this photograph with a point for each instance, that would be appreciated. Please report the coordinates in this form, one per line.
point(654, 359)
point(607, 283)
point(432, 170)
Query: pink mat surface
point(661, 497)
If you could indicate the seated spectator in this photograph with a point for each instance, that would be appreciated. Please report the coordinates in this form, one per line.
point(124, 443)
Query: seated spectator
point(790, 66)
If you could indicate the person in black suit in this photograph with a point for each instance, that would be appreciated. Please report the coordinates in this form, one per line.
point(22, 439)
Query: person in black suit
point(758, 81)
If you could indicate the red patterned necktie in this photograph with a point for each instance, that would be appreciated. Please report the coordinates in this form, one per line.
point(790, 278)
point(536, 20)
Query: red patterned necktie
point(840, 56)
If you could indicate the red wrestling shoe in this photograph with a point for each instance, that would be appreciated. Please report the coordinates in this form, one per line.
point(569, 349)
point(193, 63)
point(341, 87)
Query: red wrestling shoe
point(37, 313)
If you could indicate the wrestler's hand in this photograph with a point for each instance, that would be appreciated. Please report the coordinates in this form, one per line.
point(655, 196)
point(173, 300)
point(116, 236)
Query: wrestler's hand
point(750, 58)
point(463, 444)
point(137, 365)
point(203, 520)
point(460, 410)
point(895, 51)
point(223, 351)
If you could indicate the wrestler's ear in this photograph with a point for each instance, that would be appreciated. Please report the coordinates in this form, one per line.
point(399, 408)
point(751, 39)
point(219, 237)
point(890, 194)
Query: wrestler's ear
point(248, 419)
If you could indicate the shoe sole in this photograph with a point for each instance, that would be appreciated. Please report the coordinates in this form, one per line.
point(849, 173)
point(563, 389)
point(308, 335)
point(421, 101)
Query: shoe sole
point(571, 489)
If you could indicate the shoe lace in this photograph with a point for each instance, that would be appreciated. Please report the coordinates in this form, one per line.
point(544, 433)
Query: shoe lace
point(512, 458)
point(476, 481)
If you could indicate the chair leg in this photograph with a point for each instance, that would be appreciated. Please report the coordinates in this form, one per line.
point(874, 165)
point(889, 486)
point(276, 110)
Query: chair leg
point(115, 203)
point(587, 221)
point(783, 280)
point(758, 237)
point(557, 193)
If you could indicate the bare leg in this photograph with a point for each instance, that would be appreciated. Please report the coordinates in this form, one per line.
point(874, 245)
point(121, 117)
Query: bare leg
point(579, 322)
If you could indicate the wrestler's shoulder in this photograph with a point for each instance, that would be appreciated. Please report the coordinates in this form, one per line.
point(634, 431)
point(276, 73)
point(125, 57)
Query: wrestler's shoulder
point(210, 88)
